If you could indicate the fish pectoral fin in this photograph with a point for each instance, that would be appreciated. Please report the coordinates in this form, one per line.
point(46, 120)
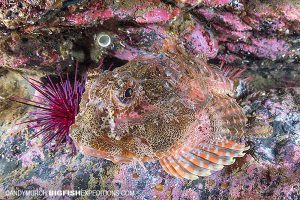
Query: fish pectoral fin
point(226, 116)
point(191, 163)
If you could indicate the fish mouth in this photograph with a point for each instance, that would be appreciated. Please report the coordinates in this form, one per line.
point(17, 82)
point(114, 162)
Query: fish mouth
point(108, 148)
point(99, 153)
point(114, 142)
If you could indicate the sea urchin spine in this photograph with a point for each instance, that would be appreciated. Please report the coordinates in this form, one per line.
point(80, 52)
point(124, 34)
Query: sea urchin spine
point(57, 106)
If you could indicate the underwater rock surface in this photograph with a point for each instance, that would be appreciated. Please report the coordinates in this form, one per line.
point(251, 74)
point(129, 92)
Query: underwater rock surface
point(269, 170)
point(37, 36)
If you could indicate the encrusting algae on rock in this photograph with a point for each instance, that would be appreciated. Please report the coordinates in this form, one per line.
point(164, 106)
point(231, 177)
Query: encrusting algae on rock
point(261, 36)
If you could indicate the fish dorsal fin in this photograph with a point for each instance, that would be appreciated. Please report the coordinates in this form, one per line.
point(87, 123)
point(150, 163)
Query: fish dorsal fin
point(93, 73)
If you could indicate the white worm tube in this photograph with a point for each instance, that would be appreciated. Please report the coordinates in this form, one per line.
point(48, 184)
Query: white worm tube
point(103, 40)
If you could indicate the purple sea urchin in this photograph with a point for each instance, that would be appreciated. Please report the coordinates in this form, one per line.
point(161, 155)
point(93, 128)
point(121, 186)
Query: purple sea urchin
point(57, 106)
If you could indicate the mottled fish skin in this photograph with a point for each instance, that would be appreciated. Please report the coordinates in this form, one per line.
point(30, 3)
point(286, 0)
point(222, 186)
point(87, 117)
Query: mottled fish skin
point(174, 109)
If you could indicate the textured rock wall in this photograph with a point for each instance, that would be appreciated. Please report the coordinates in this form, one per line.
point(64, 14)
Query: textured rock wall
point(37, 36)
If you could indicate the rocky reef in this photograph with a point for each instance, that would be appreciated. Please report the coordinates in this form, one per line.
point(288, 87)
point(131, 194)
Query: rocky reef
point(39, 38)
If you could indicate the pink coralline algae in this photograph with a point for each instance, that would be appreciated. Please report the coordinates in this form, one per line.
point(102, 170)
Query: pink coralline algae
point(216, 2)
point(146, 12)
point(200, 41)
point(281, 17)
point(226, 19)
point(140, 42)
point(93, 15)
point(154, 16)
point(204, 2)
point(290, 12)
point(262, 48)
point(238, 30)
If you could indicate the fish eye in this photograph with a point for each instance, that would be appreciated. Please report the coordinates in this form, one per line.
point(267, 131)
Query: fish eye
point(128, 93)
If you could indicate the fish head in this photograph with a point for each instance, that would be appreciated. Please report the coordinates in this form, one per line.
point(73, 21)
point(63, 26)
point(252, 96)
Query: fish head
point(132, 111)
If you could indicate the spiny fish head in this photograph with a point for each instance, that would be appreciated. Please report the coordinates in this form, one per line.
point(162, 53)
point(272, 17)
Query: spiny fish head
point(131, 88)
point(130, 108)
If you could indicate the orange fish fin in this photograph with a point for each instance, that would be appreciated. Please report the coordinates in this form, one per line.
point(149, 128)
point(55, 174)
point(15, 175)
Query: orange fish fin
point(181, 170)
point(190, 167)
point(223, 152)
point(229, 144)
point(168, 168)
point(191, 163)
point(211, 157)
point(200, 162)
